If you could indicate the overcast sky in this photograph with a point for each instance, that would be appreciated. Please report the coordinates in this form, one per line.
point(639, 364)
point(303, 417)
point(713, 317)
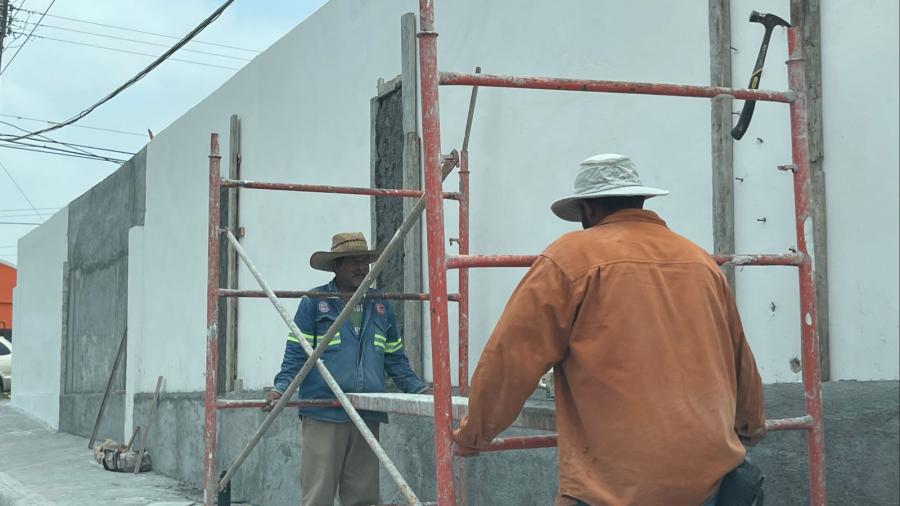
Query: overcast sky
point(56, 79)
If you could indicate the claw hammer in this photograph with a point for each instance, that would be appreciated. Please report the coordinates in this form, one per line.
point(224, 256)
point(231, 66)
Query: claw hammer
point(769, 21)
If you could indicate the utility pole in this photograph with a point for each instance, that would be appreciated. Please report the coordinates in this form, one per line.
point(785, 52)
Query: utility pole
point(4, 13)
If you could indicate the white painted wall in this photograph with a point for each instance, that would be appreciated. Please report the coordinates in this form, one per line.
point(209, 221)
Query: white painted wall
point(304, 105)
point(860, 88)
point(308, 121)
point(134, 350)
point(37, 308)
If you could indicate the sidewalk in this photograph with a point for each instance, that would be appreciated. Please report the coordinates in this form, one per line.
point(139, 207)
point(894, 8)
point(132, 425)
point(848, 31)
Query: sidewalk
point(39, 467)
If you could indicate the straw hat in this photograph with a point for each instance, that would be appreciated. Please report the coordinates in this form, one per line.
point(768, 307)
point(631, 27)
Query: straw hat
point(345, 244)
point(606, 175)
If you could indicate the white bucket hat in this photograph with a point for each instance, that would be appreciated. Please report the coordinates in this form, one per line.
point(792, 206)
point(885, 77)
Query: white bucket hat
point(606, 175)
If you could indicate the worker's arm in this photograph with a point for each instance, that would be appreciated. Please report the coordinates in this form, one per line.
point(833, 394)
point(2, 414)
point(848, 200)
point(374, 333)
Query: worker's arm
point(294, 356)
point(395, 361)
point(750, 412)
point(531, 337)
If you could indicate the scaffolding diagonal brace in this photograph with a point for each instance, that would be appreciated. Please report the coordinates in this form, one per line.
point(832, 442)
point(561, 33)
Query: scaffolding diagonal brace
point(394, 244)
point(314, 355)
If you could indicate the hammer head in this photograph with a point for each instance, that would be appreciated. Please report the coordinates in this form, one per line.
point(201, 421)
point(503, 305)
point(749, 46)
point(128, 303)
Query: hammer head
point(768, 20)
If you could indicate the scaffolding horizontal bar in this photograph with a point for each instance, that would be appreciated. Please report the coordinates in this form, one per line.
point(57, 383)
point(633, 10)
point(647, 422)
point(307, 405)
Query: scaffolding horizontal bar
point(255, 403)
point(513, 443)
point(297, 294)
point(473, 261)
point(789, 259)
point(317, 188)
point(536, 414)
point(632, 88)
point(805, 422)
point(466, 261)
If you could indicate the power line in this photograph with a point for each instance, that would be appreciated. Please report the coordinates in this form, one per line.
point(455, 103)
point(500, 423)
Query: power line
point(26, 38)
point(8, 216)
point(76, 147)
point(18, 223)
point(50, 122)
point(140, 75)
point(29, 209)
point(11, 178)
point(69, 144)
point(126, 51)
point(8, 146)
point(44, 137)
point(60, 150)
point(142, 42)
point(144, 32)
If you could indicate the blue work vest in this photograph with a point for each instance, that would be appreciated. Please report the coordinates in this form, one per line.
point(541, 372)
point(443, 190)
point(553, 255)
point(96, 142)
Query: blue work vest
point(357, 360)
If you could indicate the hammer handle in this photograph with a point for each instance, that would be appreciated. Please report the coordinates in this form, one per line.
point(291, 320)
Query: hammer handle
point(744, 121)
point(750, 105)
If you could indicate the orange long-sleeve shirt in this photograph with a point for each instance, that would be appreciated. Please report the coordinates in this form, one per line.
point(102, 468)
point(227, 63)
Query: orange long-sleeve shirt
point(654, 379)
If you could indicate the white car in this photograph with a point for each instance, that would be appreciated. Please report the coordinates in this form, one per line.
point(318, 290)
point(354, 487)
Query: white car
point(5, 365)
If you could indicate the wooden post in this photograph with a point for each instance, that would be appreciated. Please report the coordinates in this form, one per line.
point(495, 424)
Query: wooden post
point(396, 163)
point(805, 14)
point(721, 123)
point(412, 178)
point(231, 260)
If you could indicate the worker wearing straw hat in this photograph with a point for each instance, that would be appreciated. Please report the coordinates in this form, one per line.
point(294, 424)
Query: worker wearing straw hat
point(335, 458)
point(655, 385)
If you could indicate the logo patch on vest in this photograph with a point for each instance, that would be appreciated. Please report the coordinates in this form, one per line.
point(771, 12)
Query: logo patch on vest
point(324, 307)
point(379, 308)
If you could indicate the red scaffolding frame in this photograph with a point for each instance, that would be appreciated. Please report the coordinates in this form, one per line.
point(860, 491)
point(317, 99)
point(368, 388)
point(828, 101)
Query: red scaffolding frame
point(436, 167)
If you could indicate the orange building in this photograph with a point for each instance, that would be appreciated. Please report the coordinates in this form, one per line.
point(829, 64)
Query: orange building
point(7, 282)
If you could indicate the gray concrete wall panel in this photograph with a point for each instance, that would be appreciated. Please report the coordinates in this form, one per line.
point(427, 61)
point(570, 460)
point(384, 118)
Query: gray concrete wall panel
point(97, 305)
point(862, 425)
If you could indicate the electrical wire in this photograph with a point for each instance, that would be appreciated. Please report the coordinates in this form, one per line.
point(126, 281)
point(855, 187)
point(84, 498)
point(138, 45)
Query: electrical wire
point(126, 51)
point(142, 42)
point(30, 203)
point(135, 30)
point(69, 144)
point(8, 216)
point(60, 150)
point(49, 122)
point(7, 146)
point(17, 223)
point(26, 38)
point(28, 209)
point(76, 147)
point(140, 75)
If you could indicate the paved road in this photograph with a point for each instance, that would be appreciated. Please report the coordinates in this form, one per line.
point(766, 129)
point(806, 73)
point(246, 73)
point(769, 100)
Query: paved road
point(40, 467)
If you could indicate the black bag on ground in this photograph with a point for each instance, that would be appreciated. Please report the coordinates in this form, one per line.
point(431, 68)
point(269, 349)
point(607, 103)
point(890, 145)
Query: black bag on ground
point(743, 486)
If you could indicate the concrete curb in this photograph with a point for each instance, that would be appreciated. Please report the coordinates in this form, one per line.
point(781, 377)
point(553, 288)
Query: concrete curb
point(14, 493)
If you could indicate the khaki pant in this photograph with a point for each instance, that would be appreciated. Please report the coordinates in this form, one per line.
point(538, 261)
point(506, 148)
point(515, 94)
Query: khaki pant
point(335, 457)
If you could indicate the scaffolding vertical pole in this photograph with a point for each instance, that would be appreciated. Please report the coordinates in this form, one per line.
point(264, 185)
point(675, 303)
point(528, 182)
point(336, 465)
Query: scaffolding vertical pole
point(464, 200)
point(464, 273)
point(809, 335)
point(212, 320)
point(437, 268)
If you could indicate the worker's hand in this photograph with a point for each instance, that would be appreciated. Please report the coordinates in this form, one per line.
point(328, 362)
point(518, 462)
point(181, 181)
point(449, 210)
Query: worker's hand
point(753, 439)
point(464, 450)
point(271, 398)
